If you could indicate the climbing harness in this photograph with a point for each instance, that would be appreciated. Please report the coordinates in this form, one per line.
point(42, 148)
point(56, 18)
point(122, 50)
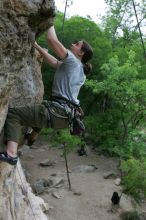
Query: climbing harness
point(74, 114)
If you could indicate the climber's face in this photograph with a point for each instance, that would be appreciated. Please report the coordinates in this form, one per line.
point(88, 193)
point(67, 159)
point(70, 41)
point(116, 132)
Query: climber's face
point(76, 48)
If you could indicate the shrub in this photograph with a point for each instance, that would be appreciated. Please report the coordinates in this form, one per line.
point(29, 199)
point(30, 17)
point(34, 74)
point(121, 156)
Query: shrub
point(135, 179)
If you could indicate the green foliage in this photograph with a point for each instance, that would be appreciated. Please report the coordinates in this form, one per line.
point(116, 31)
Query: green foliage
point(47, 71)
point(62, 137)
point(135, 144)
point(131, 216)
point(103, 133)
point(47, 131)
point(135, 179)
point(125, 96)
point(77, 28)
point(68, 140)
point(119, 20)
point(48, 76)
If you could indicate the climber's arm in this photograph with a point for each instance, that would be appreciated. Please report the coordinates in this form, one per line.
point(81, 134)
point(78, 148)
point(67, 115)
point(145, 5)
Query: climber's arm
point(52, 61)
point(55, 44)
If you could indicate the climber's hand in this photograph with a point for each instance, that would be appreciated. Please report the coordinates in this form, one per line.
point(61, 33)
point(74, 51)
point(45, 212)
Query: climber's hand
point(35, 45)
point(51, 22)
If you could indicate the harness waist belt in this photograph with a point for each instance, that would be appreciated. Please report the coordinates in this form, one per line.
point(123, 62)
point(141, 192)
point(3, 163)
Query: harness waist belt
point(63, 100)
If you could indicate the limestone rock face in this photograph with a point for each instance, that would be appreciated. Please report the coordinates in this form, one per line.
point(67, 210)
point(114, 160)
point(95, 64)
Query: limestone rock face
point(17, 200)
point(20, 23)
point(28, 87)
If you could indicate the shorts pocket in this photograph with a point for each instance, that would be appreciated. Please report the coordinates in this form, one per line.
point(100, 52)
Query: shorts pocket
point(59, 118)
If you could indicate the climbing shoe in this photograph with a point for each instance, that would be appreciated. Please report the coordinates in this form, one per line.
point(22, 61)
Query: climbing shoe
point(6, 158)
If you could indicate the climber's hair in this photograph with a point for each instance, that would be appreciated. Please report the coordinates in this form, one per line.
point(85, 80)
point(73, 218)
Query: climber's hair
point(88, 53)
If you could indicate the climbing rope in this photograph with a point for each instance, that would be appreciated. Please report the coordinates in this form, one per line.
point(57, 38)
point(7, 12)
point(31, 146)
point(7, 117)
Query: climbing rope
point(65, 153)
point(139, 29)
point(64, 16)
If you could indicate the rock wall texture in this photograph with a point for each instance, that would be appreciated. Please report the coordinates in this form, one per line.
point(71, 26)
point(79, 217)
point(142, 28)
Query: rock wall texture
point(18, 203)
point(21, 22)
point(28, 87)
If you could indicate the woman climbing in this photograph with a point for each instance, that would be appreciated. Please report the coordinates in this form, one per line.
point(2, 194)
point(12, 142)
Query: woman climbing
point(61, 110)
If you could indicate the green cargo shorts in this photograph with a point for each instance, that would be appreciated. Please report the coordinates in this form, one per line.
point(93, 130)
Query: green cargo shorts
point(36, 116)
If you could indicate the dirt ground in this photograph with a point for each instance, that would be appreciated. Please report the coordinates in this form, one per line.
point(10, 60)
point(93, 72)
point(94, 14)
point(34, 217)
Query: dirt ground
point(90, 198)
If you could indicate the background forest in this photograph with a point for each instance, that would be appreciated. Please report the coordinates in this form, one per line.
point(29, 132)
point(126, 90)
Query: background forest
point(114, 96)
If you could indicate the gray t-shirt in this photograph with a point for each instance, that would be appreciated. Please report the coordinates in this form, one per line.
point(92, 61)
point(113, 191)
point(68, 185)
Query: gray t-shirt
point(69, 78)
